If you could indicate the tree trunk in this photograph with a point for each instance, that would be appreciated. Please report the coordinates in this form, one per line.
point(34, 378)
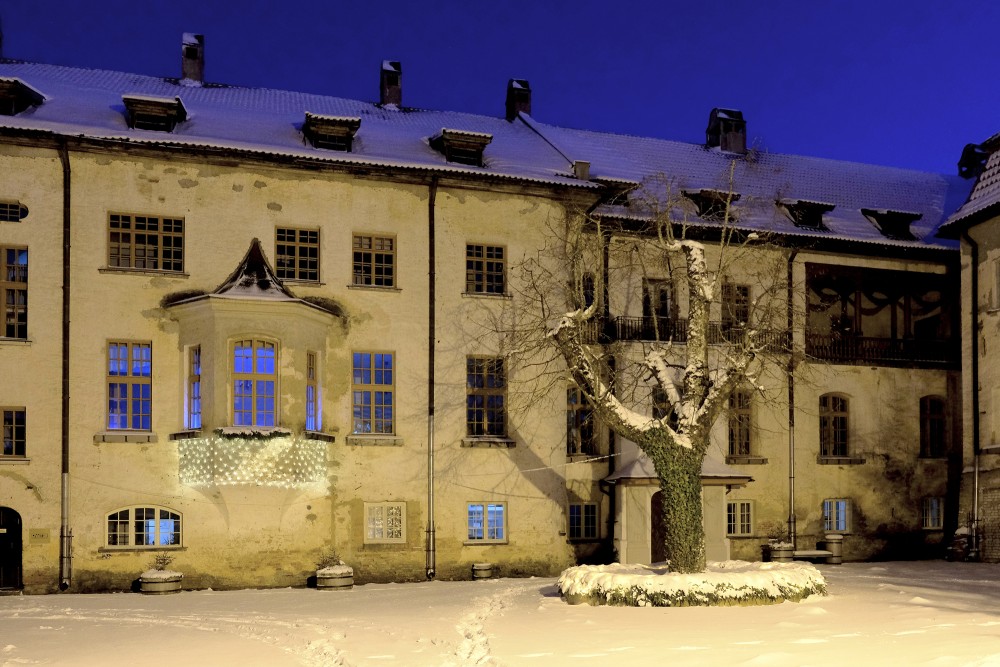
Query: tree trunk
point(679, 470)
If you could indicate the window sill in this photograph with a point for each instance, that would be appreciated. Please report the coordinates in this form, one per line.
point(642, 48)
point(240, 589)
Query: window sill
point(939, 459)
point(14, 460)
point(503, 443)
point(185, 435)
point(487, 295)
point(839, 460)
point(14, 341)
point(583, 540)
point(136, 549)
point(319, 436)
point(375, 440)
point(384, 543)
point(746, 460)
point(142, 437)
point(479, 543)
point(375, 288)
point(142, 272)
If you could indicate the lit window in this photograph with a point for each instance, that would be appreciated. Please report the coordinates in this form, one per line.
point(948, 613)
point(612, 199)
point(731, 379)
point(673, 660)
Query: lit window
point(833, 425)
point(130, 370)
point(582, 521)
point(385, 523)
point(254, 381)
point(374, 261)
point(296, 255)
point(484, 269)
point(933, 435)
point(373, 394)
point(739, 518)
point(14, 431)
point(194, 388)
point(932, 514)
point(144, 527)
point(739, 423)
point(581, 437)
point(487, 522)
point(145, 242)
point(486, 390)
point(836, 515)
point(14, 289)
point(313, 417)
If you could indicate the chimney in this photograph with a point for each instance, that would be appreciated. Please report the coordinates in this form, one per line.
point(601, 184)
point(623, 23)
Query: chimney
point(581, 170)
point(391, 83)
point(973, 160)
point(193, 57)
point(518, 98)
point(726, 131)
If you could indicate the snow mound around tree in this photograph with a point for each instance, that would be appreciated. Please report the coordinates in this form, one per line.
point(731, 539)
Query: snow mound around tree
point(725, 583)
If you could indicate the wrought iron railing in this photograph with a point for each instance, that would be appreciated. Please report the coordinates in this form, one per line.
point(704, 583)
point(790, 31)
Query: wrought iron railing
point(676, 330)
point(883, 351)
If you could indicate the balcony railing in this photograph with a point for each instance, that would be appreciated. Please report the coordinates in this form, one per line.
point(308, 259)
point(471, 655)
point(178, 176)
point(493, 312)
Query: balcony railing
point(865, 350)
point(676, 330)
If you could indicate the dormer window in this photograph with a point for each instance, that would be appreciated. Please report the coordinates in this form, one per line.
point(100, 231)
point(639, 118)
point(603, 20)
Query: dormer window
point(804, 213)
point(12, 211)
point(160, 114)
point(712, 204)
point(16, 96)
point(462, 147)
point(335, 133)
point(893, 224)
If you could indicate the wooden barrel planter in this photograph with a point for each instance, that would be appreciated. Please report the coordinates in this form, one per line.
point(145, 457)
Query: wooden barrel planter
point(482, 571)
point(160, 582)
point(335, 578)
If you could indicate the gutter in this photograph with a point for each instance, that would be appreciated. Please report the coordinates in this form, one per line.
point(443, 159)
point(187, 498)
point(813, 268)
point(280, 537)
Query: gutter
point(65, 532)
point(431, 559)
point(974, 362)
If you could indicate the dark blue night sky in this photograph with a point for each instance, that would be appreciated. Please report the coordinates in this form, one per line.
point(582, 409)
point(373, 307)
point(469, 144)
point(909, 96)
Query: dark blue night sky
point(889, 82)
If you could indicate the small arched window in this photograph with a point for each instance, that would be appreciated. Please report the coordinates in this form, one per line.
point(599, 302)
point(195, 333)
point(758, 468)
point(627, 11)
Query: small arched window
point(834, 436)
point(148, 527)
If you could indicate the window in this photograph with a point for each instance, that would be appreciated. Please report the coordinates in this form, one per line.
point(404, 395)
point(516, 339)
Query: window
point(484, 269)
point(583, 521)
point(739, 423)
point(385, 523)
point(254, 380)
point(932, 514)
point(713, 205)
point(144, 527)
point(145, 242)
point(374, 261)
point(836, 515)
point(580, 433)
point(657, 299)
point(833, 434)
point(296, 254)
point(313, 417)
point(372, 391)
point(14, 286)
point(194, 388)
point(933, 434)
point(12, 211)
point(739, 518)
point(735, 306)
point(487, 522)
point(486, 389)
point(130, 370)
point(14, 431)
point(663, 409)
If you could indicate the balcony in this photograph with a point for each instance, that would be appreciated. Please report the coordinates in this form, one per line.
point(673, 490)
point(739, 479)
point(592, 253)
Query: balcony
point(676, 330)
point(871, 351)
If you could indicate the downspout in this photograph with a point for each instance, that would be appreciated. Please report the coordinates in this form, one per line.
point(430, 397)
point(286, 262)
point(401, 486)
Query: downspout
point(974, 362)
point(65, 532)
point(431, 561)
point(791, 401)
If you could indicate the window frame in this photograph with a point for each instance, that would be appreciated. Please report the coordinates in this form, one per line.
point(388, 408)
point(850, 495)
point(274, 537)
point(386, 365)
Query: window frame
point(834, 426)
point(126, 528)
point(297, 258)
point(167, 242)
point(14, 432)
point(740, 423)
point(254, 377)
point(735, 306)
point(739, 518)
point(835, 519)
point(581, 427)
point(136, 407)
point(485, 269)
point(932, 513)
point(192, 416)
point(484, 527)
point(373, 265)
point(383, 508)
point(373, 424)
point(586, 527)
point(933, 423)
point(14, 291)
point(485, 383)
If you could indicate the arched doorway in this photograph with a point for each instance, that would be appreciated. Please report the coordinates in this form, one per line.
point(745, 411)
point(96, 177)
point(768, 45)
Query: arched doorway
point(656, 553)
point(10, 548)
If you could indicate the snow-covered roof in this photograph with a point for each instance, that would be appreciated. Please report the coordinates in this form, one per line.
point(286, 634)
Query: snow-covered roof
point(983, 200)
point(711, 471)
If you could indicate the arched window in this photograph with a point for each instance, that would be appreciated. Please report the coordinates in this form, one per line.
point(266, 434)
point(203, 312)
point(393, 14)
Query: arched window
point(255, 377)
point(834, 436)
point(933, 434)
point(148, 527)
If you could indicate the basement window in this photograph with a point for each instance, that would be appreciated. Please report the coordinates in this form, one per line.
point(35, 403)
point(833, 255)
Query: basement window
point(160, 114)
point(893, 224)
point(16, 96)
point(335, 133)
point(804, 213)
point(462, 147)
point(712, 204)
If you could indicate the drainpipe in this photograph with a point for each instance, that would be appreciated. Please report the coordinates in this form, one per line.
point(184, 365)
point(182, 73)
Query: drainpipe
point(431, 561)
point(65, 532)
point(974, 362)
point(791, 402)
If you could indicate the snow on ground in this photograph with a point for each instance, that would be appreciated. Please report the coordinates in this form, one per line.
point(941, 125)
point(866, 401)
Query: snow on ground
point(928, 613)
